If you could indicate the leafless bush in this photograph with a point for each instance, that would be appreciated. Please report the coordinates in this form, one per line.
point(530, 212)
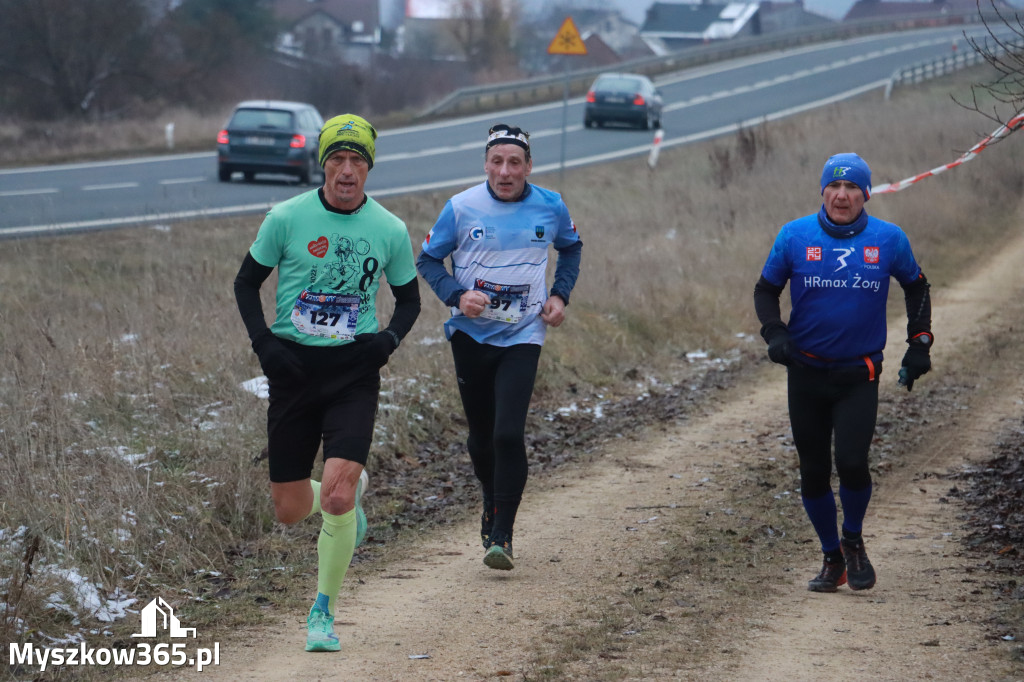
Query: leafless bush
point(1003, 49)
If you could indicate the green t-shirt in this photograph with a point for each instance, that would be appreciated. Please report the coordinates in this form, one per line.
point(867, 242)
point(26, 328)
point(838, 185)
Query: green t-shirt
point(329, 267)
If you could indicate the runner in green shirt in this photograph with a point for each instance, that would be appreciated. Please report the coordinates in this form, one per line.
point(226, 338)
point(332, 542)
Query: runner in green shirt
point(323, 352)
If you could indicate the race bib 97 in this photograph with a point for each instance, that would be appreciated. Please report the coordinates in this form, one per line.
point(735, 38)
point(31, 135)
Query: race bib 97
point(508, 301)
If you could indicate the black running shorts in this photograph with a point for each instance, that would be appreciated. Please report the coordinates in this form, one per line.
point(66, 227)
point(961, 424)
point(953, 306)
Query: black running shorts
point(336, 404)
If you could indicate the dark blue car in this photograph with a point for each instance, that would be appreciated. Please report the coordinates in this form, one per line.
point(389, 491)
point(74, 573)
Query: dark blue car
point(623, 98)
point(271, 136)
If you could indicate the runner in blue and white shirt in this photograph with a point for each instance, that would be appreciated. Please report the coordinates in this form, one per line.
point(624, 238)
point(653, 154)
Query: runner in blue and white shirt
point(838, 263)
point(498, 234)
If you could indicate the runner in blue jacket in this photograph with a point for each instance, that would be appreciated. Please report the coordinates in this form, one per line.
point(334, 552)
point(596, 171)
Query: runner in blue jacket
point(838, 263)
point(498, 235)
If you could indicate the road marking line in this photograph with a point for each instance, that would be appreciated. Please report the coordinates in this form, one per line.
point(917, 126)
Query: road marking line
point(89, 165)
point(787, 78)
point(182, 181)
point(57, 228)
point(27, 192)
point(117, 185)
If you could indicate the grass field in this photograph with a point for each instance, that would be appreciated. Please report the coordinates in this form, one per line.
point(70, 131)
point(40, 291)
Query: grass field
point(129, 454)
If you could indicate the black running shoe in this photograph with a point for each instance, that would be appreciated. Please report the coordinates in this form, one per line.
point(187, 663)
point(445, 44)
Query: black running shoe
point(831, 577)
point(860, 572)
point(499, 553)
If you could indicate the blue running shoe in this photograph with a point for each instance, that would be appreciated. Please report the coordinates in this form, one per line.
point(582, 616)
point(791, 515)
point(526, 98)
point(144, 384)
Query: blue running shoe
point(361, 523)
point(320, 631)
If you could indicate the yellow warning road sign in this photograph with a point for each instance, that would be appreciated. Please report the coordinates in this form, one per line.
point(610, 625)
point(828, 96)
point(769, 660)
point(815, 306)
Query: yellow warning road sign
point(568, 40)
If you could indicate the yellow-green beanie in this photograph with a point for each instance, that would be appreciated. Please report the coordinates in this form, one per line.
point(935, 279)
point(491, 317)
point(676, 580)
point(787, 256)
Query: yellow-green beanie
point(348, 131)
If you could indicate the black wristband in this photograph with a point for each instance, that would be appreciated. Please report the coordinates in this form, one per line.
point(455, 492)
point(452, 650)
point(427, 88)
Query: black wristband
point(394, 337)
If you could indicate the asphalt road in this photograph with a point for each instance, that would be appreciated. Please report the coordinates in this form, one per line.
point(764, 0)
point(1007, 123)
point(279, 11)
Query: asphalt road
point(699, 103)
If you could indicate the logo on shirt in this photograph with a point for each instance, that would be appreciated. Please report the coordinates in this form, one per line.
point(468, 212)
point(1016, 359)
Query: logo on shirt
point(539, 231)
point(476, 233)
point(813, 253)
point(319, 247)
point(871, 254)
point(843, 255)
point(430, 234)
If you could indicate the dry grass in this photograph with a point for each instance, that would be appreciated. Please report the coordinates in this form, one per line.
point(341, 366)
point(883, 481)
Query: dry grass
point(33, 143)
point(126, 445)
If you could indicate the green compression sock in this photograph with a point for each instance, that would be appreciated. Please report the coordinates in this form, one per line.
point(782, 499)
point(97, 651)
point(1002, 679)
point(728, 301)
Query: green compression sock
point(316, 498)
point(335, 547)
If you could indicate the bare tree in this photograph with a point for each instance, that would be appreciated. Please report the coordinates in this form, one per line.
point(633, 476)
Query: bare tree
point(59, 57)
point(485, 31)
point(209, 46)
point(1000, 99)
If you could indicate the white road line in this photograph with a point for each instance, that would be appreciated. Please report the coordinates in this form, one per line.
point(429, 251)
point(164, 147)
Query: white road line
point(788, 78)
point(466, 146)
point(27, 192)
point(715, 132)
point(102, 164)
point(182, 181)
point(133, 220)
point(116, 185)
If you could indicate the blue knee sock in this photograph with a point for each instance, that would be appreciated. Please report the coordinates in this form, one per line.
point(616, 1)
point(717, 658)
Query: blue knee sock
point(855, 507)
point(823, 514)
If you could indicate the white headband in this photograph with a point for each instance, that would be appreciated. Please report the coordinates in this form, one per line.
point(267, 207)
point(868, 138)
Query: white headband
point(507, 135)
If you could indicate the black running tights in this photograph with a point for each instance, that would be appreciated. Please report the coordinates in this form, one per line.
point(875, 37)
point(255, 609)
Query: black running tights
point(822, 411)
point(496, 384)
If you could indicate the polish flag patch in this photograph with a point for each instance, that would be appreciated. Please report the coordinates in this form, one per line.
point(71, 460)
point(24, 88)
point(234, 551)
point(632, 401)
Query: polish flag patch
point(871, 254)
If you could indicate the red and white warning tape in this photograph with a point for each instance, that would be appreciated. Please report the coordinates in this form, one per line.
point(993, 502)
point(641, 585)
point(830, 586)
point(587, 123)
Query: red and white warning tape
point(1004, 130)
point(652, 158)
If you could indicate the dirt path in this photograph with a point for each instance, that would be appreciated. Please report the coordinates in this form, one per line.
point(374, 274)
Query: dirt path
point(438, 614)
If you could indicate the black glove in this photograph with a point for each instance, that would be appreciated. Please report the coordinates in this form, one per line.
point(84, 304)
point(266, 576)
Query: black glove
point(916, 362)
point(780, 347)
point(378, 347)
point(279, 364)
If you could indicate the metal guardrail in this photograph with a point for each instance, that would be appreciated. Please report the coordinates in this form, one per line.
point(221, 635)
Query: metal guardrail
point(942, 66)
point(477, 99)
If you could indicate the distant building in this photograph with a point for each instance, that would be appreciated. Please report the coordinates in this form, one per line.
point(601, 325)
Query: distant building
point(680, 25)
point(345, 30)
point(614, 31)
point(782, 16)
point(609, 37)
